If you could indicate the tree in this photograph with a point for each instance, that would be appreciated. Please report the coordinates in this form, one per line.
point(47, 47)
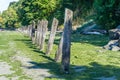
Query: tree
point(107, 13)
point(10, 17)
point(1, 22)
point(36, 10)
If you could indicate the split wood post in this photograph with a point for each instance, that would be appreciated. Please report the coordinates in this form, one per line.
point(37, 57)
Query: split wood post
point(28, 31)
point(35, 36)
point(67, 40)
point(33, 32)
point(38, 32)
point(44, 32)
point(59, 51)
point(52, 35)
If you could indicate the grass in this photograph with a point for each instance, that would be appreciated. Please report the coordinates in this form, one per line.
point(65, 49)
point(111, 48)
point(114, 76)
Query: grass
point(8, 48)
point(86, 52)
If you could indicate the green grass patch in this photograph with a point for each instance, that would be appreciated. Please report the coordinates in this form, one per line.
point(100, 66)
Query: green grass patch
point(86, 52)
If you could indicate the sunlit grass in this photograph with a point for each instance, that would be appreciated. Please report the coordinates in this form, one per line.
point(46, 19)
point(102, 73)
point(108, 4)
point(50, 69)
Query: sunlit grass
point(86, 52)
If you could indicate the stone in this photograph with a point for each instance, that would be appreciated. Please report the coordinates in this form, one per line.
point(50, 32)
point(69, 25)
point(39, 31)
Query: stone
point(115, 48)
point(89, 28)
point(94, 33)
point(118, 27)
point(110, 44)
point(114, 43)
point(114, 34)
point(99, 30)
point(119, 42)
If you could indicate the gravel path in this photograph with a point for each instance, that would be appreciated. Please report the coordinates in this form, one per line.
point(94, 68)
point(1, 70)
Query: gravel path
point(5, 68)
point(31, 70)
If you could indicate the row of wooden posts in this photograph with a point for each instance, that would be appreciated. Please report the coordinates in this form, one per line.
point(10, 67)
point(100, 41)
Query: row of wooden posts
point(38, 37)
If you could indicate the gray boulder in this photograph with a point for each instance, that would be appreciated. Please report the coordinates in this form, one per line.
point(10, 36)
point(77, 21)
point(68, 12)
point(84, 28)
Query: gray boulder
point(115, 48)
point(110, 44)
point(114, 34)
point(118, 27)
point(119, 42)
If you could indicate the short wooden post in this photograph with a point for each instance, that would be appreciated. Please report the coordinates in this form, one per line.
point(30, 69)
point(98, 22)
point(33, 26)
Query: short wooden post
point(38, 32)
point(52, 35)
point(67, 40)
point(59, 51)
point(29, 30)
point(35, 37)
point(44, 32)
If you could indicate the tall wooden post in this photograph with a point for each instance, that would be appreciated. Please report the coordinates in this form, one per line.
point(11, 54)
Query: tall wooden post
point(52, 35)
point(44, 32)
point(67, 40)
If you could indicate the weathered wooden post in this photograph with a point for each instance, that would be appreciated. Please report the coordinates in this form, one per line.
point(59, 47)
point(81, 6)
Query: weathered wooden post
point(67, 40)
point(38, 32)
point(29, 30)
point(33, 32)
point(59, 51)
point(52, 35)
point(35, 37)
point(44, 31)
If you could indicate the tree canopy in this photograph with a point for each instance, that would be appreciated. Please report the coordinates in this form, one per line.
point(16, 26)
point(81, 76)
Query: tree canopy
point(104, 13)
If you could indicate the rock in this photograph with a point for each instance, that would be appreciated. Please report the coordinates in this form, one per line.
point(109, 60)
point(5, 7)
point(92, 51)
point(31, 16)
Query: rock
point(99, 30)
point(118, 27)
point(115, 48)
point(89, 28)
point(114, 34)
point(110, 44)
point(114, 43)
point(119, 42)
point(96, 33)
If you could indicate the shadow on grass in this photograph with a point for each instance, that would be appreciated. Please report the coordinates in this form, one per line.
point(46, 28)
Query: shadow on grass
point(93, 72)
point(34, 48)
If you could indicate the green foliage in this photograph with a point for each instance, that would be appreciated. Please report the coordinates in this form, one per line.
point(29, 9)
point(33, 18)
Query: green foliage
point(36, 10)
point(107, 13)
point(10, 17)
point(1, 22)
